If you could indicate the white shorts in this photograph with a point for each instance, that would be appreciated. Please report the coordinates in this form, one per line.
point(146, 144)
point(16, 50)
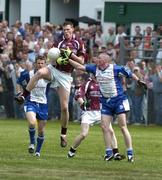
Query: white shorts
point(90, 117)
point(60, 78)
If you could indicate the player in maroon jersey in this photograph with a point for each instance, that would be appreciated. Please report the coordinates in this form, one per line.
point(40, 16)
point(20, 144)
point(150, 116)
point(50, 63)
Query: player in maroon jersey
point(60, 74)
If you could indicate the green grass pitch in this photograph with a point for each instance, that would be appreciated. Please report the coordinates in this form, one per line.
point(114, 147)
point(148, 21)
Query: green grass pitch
point(88, 164)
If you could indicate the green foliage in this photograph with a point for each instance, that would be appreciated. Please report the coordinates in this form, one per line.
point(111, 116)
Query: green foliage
point(16, 163)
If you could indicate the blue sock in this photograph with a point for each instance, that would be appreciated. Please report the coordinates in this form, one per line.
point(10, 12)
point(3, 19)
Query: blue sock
point(129, 152)
point(40, 140)
point(109, 152)
point(32, 135)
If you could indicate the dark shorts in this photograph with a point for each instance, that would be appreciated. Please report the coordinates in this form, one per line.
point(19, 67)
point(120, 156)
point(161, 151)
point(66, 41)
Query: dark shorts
point(115, 105)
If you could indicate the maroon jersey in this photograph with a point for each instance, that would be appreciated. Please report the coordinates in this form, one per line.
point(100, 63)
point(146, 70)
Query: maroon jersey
point(76, 46)
point(90, 91)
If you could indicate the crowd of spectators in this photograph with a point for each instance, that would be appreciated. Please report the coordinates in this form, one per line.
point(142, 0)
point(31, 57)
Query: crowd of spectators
point(21, 43)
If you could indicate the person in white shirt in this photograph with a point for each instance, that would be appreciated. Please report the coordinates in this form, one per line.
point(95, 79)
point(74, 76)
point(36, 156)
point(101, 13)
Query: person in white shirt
point(120, 33)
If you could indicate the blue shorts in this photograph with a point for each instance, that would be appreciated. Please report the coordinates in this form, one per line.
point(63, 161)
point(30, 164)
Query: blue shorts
point(41, 110)
point(115, 105)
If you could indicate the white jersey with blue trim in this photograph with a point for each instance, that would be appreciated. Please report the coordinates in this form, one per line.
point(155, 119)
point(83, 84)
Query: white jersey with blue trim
point(39, 93)
point(109, 79)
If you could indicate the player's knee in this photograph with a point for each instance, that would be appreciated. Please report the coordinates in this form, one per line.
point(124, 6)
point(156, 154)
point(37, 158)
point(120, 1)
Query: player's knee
point(123, 128)
point(41, 133)
point(84, 135)
point(110, 131)
point(32, 124)
point(64, 108)
point(104, 128)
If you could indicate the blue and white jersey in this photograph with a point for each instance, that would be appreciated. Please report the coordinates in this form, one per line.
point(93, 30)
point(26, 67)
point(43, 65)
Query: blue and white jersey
point(39, 93)
point(109, 79)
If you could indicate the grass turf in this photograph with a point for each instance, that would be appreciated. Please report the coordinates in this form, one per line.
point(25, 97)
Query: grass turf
point(16, 163)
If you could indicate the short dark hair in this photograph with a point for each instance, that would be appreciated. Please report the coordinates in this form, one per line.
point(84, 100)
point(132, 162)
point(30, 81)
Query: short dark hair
point(40, 58)
point(68, 23)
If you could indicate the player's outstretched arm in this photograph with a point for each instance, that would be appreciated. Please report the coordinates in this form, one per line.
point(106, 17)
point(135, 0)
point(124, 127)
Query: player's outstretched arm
point(77, 65)
point(79, 59)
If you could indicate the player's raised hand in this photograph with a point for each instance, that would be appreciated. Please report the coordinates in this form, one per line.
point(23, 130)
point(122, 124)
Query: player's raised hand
point(67, 52)
point(62, 61)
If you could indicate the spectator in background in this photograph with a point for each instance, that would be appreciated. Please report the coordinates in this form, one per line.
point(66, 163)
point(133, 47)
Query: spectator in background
point(150, 95)
point(159, 54)
point(10, 37)
point(37, 32)
point(134, 57)
point(87, 42)
point(128, 47)
point(28, 40)
point(110, 36)
point(20, 28)
point(6, 68)
point(139, 48)
point(137, 33)
point(130, 91)
point(18, 46)
point(95, 50)
point(103, 49)
point(9, 48)
point(159, 30)
point(19, 67)
point(111, 51)
point(5, 26)
point(120, 33)
point(15, 31)
point(58, 34)
point(157, 89)
point(147, 42)
point(2, 45)
point(99, 37)
point(137, 100)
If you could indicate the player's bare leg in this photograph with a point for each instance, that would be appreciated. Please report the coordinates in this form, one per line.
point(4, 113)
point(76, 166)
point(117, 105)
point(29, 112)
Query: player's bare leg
point(83, 134)
point(114, 145)
point(127, 136)
point(64, 103)
point(110, 139)
point(105, 125)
